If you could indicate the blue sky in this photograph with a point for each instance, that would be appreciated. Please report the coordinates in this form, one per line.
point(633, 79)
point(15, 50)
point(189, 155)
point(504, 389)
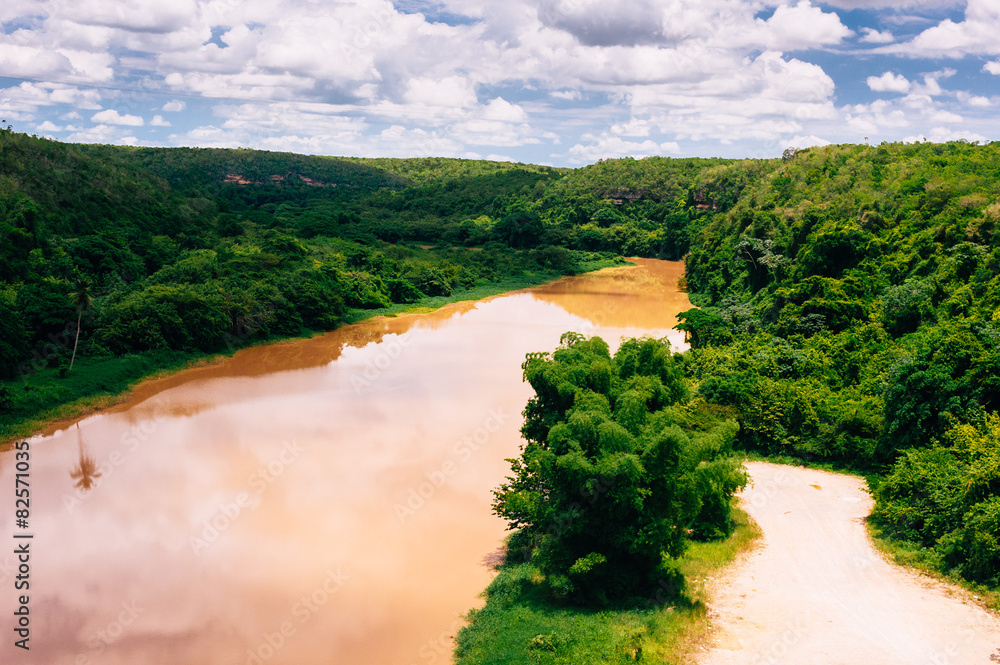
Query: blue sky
point(563, 82)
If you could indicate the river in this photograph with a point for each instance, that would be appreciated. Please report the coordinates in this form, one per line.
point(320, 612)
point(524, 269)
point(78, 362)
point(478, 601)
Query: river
point(318, 501)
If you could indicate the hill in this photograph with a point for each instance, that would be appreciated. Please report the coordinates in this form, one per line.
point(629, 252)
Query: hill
point(849, 294)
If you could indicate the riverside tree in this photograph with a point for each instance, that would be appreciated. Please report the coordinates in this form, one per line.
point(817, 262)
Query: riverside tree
point(609, 488)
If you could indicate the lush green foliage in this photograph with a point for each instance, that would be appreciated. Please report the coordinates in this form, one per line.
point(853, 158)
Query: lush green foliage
point(849, 294)
point(521, 623)
point(610, 486)
point(850, 300)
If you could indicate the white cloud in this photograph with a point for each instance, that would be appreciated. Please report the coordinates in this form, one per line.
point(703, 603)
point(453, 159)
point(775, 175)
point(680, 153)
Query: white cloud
point(451, 92)
point(945, 134)
point(143, 16)
point(799, 141)
point(48, 126)
point(112, 117)
point(802, 26)
point(635, 127)
point(875, 118)
point(95, 134)
point(974, 100)
point(977, 34)
point(605, 147)
point(872, 36)
point(23, 101)
point(625, 76)
point(945, 116)
point(29, 62)
point(501, 109)
point(889, 82)
point(893, 4)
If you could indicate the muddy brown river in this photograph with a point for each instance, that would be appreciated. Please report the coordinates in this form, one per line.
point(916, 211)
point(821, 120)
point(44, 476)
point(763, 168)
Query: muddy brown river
point(312, 502)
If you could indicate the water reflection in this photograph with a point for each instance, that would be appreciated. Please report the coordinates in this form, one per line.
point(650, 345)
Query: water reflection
point(85, 472)
point(320, 501)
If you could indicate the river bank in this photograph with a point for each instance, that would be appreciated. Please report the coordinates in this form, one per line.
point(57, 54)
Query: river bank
point(46, 399)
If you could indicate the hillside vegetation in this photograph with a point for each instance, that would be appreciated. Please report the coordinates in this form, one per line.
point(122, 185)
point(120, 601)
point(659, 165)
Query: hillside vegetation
point(848, 294)
point(851, 317)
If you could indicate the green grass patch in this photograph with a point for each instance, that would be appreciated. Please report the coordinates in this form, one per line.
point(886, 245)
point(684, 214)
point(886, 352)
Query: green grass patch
point(521, 624)
point(927, 561)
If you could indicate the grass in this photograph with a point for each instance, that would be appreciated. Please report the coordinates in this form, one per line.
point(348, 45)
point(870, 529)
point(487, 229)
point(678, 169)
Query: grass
point(520, 624)
point(912, 555)
point(28, 404)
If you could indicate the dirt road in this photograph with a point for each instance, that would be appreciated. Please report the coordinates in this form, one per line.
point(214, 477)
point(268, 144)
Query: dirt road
point(816, 593)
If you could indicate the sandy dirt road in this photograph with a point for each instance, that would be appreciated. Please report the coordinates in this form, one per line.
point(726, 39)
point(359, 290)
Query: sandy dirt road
point(816, 592)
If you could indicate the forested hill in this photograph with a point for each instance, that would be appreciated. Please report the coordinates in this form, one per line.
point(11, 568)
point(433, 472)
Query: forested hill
point(852, 317)
point(157, 255)
point(849, 294)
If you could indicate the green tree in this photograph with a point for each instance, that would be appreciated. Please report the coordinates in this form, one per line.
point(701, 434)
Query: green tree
point(82, 300)
point(608, 487)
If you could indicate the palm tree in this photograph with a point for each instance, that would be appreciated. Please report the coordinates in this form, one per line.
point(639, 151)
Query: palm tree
point(85, 472)
point(81, 300)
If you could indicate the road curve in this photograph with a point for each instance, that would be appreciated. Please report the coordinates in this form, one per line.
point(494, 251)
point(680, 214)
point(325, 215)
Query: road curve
point(816, 592)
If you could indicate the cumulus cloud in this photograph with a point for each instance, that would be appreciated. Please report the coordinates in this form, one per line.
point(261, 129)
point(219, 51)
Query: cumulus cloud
point(23, 101)
point(799, 141)
point(29, 62)
point(975, 35)
point(974, 100)
point(451, 91)
point(145, 16)
point(802, 26)
point(605, 147)
point(362, 77)
point(614, 22)
point(872, 36)
point(889, 82)
point(112, 117)
point(945, 134)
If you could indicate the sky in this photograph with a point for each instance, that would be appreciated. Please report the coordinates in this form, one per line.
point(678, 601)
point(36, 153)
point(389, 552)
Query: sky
point(560, 82)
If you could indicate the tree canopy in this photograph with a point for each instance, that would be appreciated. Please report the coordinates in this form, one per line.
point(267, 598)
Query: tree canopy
point(610, 485)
